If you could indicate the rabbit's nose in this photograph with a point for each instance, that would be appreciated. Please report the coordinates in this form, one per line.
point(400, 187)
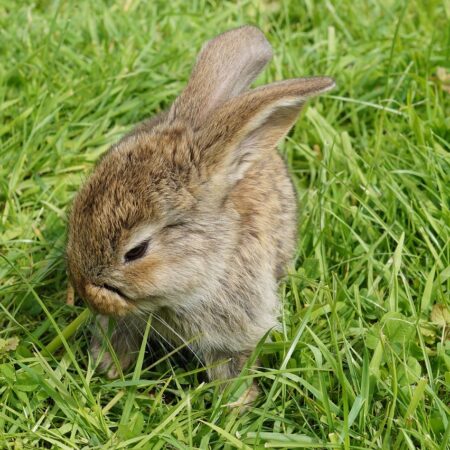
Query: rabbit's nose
point(108, 300)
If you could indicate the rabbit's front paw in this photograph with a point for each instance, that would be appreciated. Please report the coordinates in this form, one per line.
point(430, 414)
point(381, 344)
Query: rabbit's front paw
point(106, 363)
point(246, 400)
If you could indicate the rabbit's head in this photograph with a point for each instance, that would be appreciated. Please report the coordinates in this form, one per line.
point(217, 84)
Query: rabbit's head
point(151, 227)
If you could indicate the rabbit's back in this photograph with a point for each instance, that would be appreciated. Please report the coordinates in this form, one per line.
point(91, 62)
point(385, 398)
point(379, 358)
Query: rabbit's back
point(266, 201)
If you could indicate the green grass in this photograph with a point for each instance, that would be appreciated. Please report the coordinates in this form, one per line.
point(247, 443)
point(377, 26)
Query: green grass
point(363, 358)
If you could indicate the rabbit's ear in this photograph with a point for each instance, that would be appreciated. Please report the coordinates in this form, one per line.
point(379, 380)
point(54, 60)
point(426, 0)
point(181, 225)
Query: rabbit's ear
point(241, 130)
point(225, 68)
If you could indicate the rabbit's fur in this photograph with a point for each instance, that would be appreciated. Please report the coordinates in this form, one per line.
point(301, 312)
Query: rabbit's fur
point(204, 185)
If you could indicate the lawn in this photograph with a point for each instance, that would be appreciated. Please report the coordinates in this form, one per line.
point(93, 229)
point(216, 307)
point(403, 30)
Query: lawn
point(362, 359)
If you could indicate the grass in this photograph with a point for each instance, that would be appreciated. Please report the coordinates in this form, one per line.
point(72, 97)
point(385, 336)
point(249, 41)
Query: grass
point(363, 358)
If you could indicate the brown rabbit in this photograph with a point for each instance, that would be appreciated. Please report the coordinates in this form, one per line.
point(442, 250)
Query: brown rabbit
point(192, 216)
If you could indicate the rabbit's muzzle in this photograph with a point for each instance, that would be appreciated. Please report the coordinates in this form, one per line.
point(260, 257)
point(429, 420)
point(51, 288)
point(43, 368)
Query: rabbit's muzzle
point(107, 300)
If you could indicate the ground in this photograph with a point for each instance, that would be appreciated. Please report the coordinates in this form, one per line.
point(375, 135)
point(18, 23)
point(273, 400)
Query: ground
point(362, 357)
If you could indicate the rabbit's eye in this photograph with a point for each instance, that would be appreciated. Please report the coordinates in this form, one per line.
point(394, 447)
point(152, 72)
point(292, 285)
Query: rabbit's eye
point(136, 252)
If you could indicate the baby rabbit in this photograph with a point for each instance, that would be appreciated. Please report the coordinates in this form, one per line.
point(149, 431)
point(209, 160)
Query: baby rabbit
point(192, 216)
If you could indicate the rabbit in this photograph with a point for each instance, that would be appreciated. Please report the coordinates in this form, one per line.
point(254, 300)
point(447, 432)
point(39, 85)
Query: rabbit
point(192, 217)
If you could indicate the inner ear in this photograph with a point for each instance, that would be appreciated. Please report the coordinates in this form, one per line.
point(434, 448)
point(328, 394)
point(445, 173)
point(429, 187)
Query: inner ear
point(261, 138)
